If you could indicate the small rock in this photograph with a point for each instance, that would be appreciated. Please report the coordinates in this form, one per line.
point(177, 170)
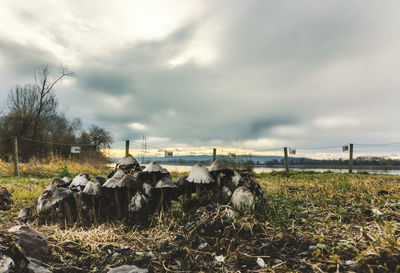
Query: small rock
point(220, 259)
point(128, 269)
point(32, 243)
point(260, 262)
point(376, 212)
point(202, 246)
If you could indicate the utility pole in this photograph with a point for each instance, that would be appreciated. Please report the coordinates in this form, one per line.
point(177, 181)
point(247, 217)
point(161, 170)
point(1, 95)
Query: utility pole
point(351, 159)
point(214, 154)
point(15, 157)
point(286, 160)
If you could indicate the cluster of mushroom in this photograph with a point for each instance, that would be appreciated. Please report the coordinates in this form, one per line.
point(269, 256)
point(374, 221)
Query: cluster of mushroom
point(134, 193)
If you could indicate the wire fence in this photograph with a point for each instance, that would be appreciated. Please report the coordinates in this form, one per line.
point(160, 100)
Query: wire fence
point(324, 157)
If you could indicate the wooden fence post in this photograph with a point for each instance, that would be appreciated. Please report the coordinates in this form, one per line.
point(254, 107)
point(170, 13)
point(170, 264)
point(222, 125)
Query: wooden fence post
point(351, 159)
point(286, 160)
point(214, 154)
point(15, 157)
point(126, 147)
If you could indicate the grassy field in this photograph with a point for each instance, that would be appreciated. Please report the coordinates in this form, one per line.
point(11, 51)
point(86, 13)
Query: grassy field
point(311, 222)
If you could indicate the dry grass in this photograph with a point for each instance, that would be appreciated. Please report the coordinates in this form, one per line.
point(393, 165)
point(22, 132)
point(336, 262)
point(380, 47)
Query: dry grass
point(53, 166)
point(311, 222)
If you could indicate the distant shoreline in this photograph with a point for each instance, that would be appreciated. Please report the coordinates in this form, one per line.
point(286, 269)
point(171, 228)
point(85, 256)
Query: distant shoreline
point(336, 167)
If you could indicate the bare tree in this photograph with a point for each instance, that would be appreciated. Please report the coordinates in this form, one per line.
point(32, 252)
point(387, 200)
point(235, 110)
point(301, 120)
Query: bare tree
point(45, 88)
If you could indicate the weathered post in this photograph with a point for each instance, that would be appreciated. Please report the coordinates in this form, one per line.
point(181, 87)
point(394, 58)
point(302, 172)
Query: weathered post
point(15, 157)
point(351, 159)
point(126, 147)
point(286, 160)
point(214, 154)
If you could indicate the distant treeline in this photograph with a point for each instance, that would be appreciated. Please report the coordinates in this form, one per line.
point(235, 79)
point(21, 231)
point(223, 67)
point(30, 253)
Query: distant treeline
point(293, 161)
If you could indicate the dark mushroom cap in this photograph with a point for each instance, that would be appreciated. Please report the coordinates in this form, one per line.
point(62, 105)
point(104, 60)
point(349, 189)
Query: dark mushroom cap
point(154, 167)
point(128, 162)
point(200, 174)
point(165, 182)
point(49, 199)
point(80, 181)
point(219, 166)
point(93, 188)
point(4, 192)
point(101, 180)
point(59, 182)
point(114, 180)
point(127, 181)
point(182, 181)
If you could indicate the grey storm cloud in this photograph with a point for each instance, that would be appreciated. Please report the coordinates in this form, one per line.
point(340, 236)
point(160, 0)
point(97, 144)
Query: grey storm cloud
point(303, 73)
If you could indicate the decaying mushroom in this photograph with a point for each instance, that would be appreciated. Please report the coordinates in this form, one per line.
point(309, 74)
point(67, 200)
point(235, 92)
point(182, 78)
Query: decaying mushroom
point(59, 182)
point(138, 208)
point(163, 184)
point(218, 169)
point(128, 163)
point(243, 199)
point(93, 190)
point(79, 182)
point(101, 180)
point(119, 183)
point(199, 175)
point(52, 197)
point(185, 188)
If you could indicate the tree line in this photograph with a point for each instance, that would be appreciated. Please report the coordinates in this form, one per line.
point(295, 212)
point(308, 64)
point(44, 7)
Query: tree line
point(33, 115)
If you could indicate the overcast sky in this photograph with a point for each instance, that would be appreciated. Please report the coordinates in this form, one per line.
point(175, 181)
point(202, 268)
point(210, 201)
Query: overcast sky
point(259, 74)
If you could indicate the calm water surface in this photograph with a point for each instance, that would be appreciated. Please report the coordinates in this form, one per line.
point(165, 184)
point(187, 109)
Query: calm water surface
point(183, 168)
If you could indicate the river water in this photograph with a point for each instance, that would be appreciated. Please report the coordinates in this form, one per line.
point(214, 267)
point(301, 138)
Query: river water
point(184, 168)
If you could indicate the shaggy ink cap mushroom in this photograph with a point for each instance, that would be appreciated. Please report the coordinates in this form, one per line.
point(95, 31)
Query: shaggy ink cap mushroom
point(114, 180)
point(154, 167)
point(199, 175)
point(93, 188)
point(128, 162)
point(51, 198)
point(59, 182)
point(163, 184)
point(155, 171)
point(219, 166)
point(120, 180)
point(79, 182)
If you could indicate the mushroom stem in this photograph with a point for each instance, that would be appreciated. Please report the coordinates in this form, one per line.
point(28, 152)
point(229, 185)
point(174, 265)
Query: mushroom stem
point(161, 200)
point(68, 211)
point(128, 194)
point(78, 207)
point(198, 191)
point(94, 209)
point(117, 203)
point(187, 195)
point(99, 210)
point(219, 185)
